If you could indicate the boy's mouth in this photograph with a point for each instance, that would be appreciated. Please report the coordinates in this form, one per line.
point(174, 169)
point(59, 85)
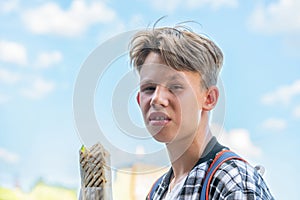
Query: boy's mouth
point(158, 119)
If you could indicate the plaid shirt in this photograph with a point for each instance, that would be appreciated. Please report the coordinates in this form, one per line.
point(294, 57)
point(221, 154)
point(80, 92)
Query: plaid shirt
point(233, 180)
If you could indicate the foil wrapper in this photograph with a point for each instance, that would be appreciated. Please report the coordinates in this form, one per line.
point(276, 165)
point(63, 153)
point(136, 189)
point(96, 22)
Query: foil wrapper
point(95, 173)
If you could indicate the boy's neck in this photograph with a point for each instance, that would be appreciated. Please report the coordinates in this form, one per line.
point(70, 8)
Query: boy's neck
point(185, 162)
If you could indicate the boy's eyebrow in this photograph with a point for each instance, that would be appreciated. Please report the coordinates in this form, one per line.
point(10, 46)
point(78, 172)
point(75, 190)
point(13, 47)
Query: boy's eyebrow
point(175, 77)
point(147, 81)
point(170, 78)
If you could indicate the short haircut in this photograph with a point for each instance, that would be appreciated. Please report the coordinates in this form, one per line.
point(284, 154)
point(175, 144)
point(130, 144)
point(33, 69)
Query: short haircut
point(181, 49)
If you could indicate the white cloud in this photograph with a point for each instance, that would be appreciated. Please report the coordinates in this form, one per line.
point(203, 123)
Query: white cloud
point(7, 6)
point(172, 5)
point(273, 124)
point(214, 4)
point(9, 157)
point(39, 89)
point(140, 150)
point(167, 5)
point(296, 111)
point(239, 141)
point(50, 18)
point(283, 95)
point(281, 16)
point(13, 52)
point(9, 77)
point(46, 59)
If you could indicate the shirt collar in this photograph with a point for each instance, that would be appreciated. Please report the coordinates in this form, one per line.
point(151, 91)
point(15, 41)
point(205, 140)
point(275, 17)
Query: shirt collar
point(210, 151)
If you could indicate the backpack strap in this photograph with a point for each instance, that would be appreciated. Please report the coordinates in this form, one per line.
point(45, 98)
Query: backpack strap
point(153, 188)
point(220, 158)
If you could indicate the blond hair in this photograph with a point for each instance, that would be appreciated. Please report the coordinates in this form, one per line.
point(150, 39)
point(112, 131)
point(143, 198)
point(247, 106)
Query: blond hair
point(181, 49)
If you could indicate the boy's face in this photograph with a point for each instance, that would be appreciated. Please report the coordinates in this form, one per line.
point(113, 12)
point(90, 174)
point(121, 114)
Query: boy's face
point(171, 101)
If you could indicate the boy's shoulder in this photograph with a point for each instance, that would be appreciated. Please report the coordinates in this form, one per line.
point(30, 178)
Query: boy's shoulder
point(238, 178)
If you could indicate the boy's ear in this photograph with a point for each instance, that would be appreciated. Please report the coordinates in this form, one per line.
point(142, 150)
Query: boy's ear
point(138, 98)
point(212, 96)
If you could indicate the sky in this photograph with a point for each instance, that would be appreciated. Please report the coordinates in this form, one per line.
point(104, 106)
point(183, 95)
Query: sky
point(44, 45)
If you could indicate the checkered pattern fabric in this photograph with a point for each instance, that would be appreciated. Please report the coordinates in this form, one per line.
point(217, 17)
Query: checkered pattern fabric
point(234, 180)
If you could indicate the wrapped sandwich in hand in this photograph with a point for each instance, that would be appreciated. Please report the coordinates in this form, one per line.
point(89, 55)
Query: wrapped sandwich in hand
point(95, 173)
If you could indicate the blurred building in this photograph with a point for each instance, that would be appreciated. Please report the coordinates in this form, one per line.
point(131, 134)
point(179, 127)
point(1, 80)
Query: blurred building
point(131, 184)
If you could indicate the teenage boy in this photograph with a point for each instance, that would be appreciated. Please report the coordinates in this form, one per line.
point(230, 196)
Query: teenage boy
point(178, 71)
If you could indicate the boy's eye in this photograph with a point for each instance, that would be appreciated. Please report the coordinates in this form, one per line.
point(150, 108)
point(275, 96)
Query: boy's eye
point(175, 87)
point(148, 89)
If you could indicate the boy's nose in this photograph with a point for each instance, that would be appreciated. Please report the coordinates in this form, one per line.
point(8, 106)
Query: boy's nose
point(160, 97)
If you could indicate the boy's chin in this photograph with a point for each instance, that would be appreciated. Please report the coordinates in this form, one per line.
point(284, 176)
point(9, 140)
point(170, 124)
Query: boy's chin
point(163, 140)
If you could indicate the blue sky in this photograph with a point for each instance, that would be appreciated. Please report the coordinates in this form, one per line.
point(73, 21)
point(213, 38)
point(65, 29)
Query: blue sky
point(43, 45)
